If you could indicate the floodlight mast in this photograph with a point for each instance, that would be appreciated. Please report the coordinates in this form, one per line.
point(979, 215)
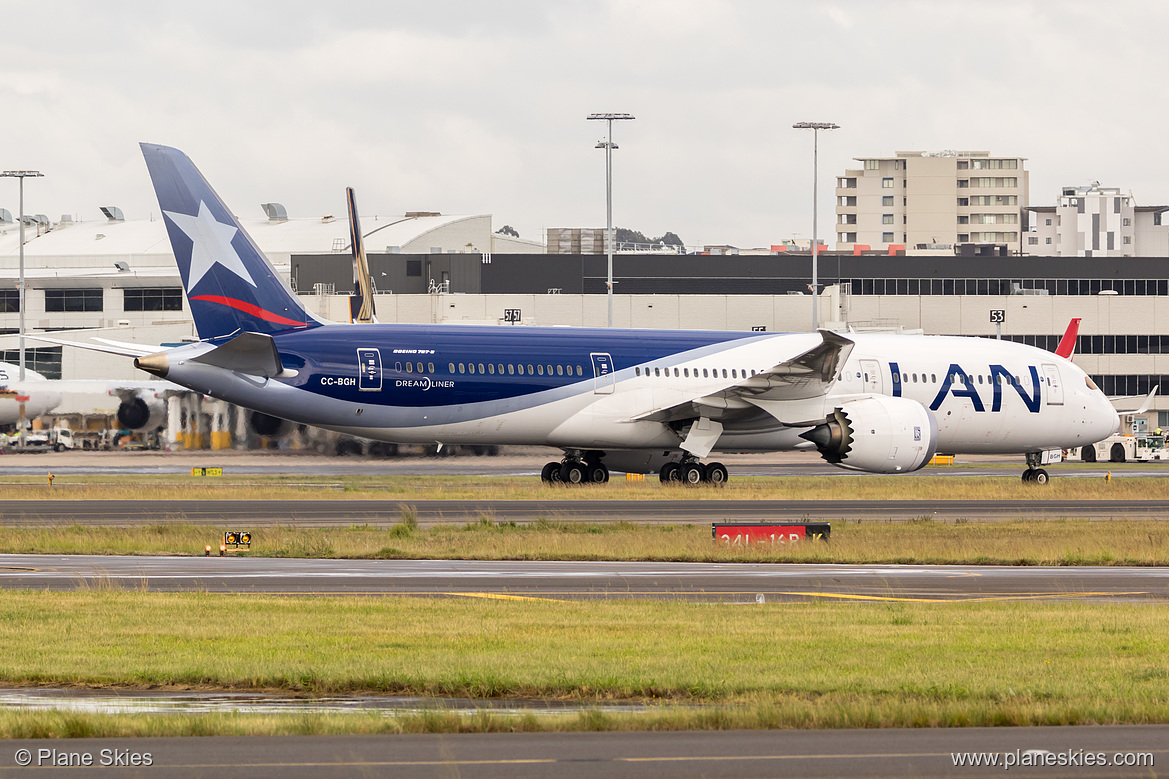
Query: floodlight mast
point(815, 127)
point(22, 175)
point(609, 146)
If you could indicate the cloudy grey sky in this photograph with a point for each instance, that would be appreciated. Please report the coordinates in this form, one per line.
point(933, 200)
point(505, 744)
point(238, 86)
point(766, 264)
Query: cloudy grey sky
point(465, 106)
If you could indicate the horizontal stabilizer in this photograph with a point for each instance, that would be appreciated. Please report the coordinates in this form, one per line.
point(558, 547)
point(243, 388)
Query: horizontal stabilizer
point(252, 353)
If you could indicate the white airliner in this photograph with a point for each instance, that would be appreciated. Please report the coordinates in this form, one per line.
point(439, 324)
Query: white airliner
point(142, 403)
point(642, 401)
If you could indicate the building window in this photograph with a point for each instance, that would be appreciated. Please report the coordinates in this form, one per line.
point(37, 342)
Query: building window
point(73, 300)
point(45, 360)
point(9, 301)
point(887, 183)
point(153, 299)
point(887, 200)
point(1127, 239)
point(413, 267)
point(1033, 240)
point(872, 164)
point(963, 201)
point(1048, 240)
point(886, 219)
point(1126, 221)
point(886, 237)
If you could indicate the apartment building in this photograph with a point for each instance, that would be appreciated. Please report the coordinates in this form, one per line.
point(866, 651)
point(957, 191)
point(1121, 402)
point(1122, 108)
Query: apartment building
point(946, 202)
point(1096, 221)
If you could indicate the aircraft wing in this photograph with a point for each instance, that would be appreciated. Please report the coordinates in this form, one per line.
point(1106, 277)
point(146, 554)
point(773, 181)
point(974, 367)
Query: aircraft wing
point(809, 374)
point(105, 345)
point(1148, 401)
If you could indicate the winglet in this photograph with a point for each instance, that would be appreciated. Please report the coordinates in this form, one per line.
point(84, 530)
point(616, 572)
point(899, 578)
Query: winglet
point(1067, 344)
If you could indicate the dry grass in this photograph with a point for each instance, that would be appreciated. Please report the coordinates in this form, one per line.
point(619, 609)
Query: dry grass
point(1007, 486)
point(1034, 542)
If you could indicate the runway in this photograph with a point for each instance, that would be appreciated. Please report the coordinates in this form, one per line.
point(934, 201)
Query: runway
point(804, 753)
point(719, 582)
point(382, 513)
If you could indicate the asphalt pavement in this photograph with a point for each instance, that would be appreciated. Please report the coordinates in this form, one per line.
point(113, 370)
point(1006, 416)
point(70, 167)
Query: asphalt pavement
point(735, 582)
point(739, 754)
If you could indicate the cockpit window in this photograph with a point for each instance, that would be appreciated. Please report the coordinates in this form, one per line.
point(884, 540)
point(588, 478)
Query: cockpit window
point(1091, 384)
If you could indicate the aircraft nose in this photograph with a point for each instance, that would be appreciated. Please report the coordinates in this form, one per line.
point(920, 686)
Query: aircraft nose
point(1110, 420)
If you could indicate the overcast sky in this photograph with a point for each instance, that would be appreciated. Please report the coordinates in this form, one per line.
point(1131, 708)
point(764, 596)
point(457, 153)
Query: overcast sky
point(469, 106)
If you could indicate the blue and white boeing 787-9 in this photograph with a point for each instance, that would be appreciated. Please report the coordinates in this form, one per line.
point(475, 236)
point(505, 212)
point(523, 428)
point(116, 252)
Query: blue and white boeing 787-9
point(642, 401)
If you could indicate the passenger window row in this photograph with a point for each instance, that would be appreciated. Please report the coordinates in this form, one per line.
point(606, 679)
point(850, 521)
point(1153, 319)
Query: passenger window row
point(512, 369)
point(687, 373)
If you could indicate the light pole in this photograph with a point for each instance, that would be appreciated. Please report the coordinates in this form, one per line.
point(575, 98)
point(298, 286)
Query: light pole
point(815, 127)
point(22, 175)
point(609, 146)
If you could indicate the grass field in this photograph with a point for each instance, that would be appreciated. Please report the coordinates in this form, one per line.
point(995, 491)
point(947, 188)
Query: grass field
point(772, 665)
point(1034, 542)
point(1007, 486)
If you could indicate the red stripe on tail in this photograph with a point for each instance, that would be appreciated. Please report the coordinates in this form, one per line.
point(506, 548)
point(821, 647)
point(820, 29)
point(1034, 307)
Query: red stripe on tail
point(254, 310)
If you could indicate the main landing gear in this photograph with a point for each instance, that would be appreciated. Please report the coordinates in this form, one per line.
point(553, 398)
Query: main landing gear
point(576, 468)
point(694, 472)
point(1034, 474)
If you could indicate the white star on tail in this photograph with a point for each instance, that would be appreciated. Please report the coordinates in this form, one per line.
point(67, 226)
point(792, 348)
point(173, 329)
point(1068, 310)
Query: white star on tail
point(211, 245)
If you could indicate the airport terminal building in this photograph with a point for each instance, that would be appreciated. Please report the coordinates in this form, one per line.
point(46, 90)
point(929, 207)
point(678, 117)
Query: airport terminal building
point(117, 279)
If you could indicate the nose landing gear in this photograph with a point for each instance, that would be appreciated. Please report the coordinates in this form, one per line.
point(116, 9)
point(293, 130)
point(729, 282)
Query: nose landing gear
point(1034, 474)
point(1037, 475)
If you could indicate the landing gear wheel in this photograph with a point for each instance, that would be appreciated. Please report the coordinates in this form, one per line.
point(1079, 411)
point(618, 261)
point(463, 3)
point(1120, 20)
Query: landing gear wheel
point(572, 473)
point(716, 473)
point(597, 473)
point(551, 473)
point(692, 473)
point(669, 474)
point(1028, 475)
point(1040, 476)
point(1088, 454)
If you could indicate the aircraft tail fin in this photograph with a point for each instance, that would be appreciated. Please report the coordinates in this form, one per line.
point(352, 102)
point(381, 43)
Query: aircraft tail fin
point(1067, 344)
point(361, 309)
point(231, 286)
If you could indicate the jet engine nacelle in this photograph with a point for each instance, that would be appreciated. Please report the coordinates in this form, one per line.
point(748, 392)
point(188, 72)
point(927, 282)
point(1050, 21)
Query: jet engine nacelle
point(269, 426)
point(878, 434)
point(142, 411)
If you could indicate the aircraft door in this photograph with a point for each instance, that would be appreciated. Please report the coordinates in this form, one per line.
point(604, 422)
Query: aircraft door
point(369, 370)
point(1054, 389)
point(602, 373)
point(871, 376)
